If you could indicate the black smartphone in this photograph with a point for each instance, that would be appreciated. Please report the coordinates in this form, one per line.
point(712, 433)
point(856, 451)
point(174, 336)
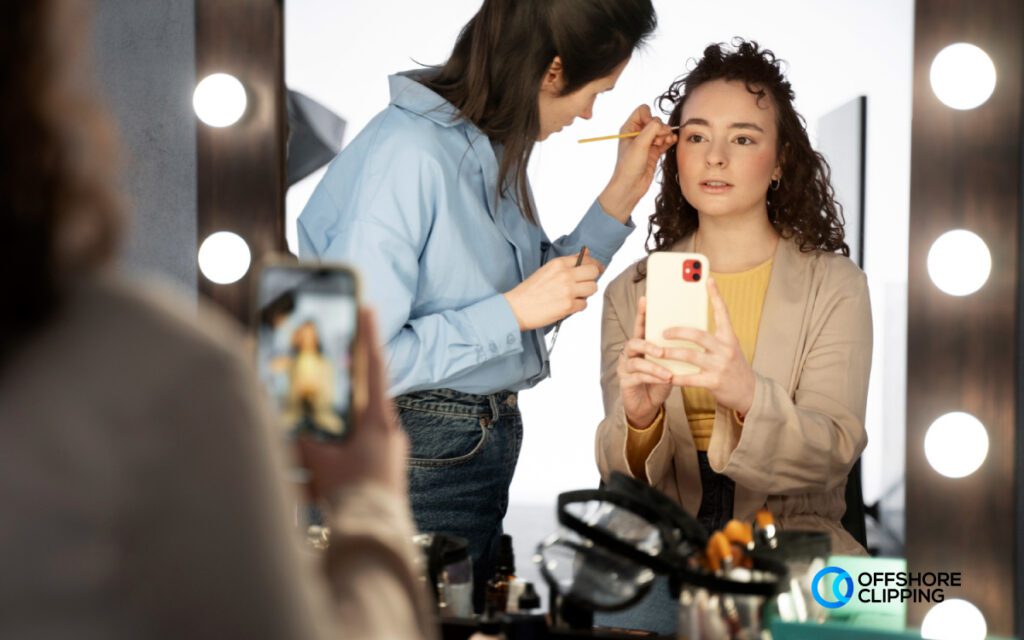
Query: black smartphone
point(305, 318)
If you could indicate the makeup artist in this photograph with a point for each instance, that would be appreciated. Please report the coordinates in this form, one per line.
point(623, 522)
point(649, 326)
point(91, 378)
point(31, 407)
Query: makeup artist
point(432, 203)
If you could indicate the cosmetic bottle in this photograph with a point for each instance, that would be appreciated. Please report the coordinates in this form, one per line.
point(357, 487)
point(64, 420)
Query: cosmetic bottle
point(504, 574)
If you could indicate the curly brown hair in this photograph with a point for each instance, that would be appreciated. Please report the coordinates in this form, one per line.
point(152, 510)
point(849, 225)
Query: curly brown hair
point(60, 210)
point(803, 207)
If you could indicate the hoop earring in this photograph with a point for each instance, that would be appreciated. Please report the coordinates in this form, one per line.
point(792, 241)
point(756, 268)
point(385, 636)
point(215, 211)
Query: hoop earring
point(775, 184)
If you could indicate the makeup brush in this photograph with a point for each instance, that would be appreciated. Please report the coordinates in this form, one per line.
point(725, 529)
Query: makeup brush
point(618, 136)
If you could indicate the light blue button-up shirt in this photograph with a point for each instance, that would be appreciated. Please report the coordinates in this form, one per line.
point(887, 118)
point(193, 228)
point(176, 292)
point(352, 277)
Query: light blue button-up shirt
point(411, 203)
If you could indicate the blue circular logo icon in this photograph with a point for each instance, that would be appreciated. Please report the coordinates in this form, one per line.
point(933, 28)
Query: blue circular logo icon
point(842, 587)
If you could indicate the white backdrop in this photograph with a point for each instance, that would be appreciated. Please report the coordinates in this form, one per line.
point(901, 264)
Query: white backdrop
point(340, 54)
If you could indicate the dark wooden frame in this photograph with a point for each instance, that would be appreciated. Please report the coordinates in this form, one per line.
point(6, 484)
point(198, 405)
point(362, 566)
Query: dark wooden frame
point(241, 170)
point(966, 173)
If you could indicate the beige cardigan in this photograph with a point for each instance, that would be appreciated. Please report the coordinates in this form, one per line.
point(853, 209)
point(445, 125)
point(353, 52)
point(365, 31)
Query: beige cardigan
point(805, 428)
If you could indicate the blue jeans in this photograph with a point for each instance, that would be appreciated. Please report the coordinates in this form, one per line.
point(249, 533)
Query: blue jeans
point(463, 450)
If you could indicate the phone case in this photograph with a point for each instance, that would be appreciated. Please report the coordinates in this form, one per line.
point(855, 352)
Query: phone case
point(677, 296)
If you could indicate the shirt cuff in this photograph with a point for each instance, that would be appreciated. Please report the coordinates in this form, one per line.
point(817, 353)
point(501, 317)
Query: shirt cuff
point(602, 233)
point(496, 327)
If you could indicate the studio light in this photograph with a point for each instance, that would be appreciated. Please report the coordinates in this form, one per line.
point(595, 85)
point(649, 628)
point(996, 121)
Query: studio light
point(224, 257)
point(963, 76)
point(219, 100)
point(954, 620)
point(959, 262)
point(956, 444)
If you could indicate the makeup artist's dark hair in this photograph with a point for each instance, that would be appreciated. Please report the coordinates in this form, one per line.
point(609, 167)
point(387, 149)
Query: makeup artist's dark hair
point(495, 70)
point(804, 206)
point(58, 205)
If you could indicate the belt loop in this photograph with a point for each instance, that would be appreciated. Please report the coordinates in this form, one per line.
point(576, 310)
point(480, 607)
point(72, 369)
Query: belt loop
point(493, 399)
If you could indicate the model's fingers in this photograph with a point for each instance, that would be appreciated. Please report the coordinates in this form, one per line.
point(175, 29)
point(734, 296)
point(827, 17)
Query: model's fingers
point(641, 318)
point(636, 347)
point(639, 365)
point(697, 336)
point(700, 380)
point(647, 378)
point(723, 323)
point(700, 359)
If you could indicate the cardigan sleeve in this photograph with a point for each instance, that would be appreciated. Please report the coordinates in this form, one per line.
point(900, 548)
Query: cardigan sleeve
point(808, 441)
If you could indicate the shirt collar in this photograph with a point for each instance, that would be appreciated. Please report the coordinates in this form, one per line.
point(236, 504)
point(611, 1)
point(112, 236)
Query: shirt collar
point(407, 93)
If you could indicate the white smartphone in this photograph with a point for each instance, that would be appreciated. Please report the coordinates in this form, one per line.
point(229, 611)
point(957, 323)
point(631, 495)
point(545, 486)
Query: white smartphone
point(677, 296)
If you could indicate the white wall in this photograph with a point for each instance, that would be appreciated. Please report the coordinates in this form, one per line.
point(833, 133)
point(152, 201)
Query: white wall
point(341, 52)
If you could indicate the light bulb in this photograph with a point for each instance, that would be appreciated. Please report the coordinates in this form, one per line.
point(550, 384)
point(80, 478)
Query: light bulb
point(954, 619)
point(963, 76)
point(959, 262)
point(956, 444)
point(219, 100)
point(224, 257)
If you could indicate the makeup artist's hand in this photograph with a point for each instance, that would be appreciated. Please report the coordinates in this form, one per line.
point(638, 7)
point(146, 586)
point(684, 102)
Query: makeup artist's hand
point(556, 290)
point(376, 447)
point(643, 385)
point(637, 161)
point(724, 371)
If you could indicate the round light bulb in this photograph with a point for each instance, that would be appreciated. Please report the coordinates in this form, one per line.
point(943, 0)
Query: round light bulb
point(956, 444)
point(959, 262)
point(963, 76)
point(954, 619)
point(219, 100)
point(224, 257)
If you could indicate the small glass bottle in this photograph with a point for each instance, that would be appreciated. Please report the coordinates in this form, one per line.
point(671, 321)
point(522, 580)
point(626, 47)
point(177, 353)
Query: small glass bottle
point(504, 574)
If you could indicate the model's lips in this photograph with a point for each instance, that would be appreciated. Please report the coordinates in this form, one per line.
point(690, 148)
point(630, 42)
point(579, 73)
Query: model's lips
point(714, 186)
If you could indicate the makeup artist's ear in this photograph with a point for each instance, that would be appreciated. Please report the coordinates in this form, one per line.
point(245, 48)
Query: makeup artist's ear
point(554, 80)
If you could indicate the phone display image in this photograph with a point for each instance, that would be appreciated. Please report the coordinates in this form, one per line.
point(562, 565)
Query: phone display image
point(306, 330)
point(677, 296)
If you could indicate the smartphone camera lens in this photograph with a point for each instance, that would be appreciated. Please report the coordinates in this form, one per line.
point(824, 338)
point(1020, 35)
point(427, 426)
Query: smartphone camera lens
point(696, 265)
point(696, 277)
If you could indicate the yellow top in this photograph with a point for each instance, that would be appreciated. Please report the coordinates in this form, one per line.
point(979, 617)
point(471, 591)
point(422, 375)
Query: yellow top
point(743, 293)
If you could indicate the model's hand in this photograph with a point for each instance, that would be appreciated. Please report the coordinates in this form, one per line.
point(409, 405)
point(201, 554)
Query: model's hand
point(637, 161)
point(724, 371)
point(554, 291)
point(643, 385)
point(376, 447)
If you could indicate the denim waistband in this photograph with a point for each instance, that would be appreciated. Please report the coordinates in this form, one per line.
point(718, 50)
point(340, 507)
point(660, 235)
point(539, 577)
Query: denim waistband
point(457, 403)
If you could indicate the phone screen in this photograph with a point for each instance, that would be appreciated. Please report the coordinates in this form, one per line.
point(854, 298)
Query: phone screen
point(306, 323)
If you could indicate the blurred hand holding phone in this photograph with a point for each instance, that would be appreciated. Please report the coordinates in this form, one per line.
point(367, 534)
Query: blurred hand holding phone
point(320, 361)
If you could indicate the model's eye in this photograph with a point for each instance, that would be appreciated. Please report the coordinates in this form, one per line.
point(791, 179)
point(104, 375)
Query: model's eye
point(695, 137)
point(744, 140)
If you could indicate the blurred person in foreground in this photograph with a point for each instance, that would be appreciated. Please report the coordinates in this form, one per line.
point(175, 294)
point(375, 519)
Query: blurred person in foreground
point(142, 485)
